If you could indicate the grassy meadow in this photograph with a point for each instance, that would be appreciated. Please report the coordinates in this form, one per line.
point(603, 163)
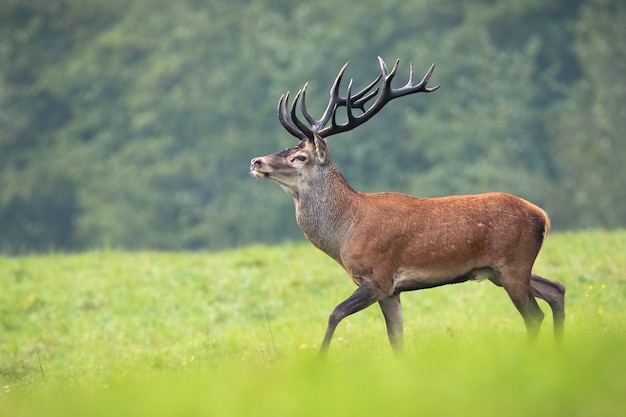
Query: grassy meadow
point(235, 333)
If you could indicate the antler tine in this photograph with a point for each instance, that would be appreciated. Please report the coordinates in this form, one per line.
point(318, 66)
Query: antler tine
point(285, 119)
point(386, 73)
point(411, 75)
point(305, 131)
point(387, 92)
point(349, 103)
point(335, 99)
point(360, 98)
point(426, 79)
point(305, 112)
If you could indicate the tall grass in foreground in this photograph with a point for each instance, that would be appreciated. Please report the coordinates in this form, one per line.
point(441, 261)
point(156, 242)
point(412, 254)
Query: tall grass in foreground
point(235, 333)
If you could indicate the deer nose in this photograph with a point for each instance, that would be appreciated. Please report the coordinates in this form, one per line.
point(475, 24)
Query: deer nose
point(256, 163)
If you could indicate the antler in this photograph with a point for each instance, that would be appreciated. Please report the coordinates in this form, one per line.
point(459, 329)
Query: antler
point(289, 120)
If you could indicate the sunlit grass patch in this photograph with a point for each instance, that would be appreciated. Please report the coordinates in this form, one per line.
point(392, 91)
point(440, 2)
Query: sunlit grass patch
point(236, 333)
point(481, 379)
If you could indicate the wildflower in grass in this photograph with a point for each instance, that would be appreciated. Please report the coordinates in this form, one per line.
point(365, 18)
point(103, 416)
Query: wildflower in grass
point(600, 312)
point(591, 287)
point(603, 286)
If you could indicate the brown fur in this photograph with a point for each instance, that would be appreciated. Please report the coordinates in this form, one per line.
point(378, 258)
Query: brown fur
point(390, 242)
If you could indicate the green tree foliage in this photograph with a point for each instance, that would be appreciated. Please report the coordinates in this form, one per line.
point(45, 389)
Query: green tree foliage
point(131, 124)
point(590, 138)
point(38, 200)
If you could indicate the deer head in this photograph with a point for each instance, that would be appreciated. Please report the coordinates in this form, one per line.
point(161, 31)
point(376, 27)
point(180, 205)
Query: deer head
point(292, 167)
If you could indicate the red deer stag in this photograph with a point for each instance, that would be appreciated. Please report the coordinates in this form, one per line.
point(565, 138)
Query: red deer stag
point(389, 242)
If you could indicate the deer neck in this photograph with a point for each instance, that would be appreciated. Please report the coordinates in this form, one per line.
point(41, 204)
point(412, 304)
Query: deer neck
point(326, 209)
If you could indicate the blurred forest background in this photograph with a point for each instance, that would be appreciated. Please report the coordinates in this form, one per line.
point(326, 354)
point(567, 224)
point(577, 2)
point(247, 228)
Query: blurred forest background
point(131, 124)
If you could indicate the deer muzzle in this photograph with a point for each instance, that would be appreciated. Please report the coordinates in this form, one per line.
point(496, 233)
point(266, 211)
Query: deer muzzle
point(256, 166)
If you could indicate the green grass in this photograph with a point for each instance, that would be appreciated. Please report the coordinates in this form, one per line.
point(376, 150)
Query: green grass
point(235, 333)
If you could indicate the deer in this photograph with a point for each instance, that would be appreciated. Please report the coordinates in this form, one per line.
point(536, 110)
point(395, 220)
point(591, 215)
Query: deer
point(389, 242)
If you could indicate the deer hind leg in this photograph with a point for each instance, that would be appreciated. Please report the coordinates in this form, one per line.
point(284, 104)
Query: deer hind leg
point(553, 292)
point(392, 311)
point(364, 296)
point(518, 287)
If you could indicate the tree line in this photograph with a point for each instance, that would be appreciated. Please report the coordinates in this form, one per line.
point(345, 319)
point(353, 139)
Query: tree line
point(131, 124)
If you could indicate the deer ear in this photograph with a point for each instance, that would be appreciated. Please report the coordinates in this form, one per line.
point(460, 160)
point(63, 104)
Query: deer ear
point(321, 149)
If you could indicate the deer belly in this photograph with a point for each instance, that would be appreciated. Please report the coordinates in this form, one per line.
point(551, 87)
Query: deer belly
point(410, 280)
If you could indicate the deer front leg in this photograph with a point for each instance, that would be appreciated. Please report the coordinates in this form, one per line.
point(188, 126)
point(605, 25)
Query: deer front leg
point(363, 297)
point(392, 311)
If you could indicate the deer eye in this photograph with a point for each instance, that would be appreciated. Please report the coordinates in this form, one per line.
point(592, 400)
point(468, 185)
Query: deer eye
point(301, 158)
